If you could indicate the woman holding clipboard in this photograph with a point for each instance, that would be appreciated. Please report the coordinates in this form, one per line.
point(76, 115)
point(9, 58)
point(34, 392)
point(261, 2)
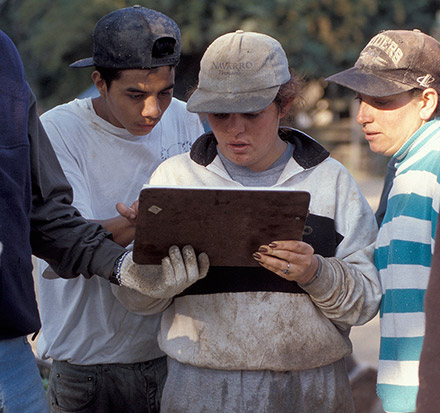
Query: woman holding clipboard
point(274, 337)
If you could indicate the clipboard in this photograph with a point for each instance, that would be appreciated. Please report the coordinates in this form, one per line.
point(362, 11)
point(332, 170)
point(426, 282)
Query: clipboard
point(228, 224)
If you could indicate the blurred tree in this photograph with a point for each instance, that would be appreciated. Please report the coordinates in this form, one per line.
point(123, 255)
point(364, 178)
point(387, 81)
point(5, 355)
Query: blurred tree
point(319, 36)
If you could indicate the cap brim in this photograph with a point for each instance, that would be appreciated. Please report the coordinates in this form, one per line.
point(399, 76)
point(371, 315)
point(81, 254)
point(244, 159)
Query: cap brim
point(204, 101)
point(368, 83)
point(87, 62)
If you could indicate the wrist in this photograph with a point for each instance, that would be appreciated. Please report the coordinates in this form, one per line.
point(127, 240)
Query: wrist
point(115, 277)
point(312, 272)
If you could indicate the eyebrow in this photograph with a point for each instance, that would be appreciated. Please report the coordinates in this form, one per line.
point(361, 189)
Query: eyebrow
point(134, 90)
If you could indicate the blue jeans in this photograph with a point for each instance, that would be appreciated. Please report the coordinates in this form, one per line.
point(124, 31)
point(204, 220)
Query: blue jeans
point(107, 388)
point(21, 388)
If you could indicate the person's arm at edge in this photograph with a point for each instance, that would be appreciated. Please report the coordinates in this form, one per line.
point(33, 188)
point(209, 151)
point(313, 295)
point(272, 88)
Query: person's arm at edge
point(428, 398)
point(59, 234)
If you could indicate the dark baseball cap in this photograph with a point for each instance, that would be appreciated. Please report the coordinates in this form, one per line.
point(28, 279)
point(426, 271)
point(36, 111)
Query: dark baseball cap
point(394, 61)
point(124, 39)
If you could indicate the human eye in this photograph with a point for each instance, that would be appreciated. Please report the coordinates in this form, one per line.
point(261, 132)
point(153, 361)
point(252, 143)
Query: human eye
point(135, 96)
point(220, 115)
point(167, 92)
point(380, 102)
point(251, 115)
point(377, 102)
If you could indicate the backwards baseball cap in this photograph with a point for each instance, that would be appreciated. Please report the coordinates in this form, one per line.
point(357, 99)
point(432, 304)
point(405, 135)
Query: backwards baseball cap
point(124, 39)
point(240, 72)
point(394, 61)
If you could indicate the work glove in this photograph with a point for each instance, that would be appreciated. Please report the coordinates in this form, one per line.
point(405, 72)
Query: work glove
point(176, 273)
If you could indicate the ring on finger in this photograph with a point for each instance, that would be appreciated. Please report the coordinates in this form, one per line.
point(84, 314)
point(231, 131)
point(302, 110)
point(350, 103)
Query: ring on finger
point(287, 269)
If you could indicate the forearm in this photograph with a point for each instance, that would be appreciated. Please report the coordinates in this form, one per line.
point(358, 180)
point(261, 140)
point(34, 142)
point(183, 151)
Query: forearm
point(348, 290)
point(121, 229)
point(344, 293)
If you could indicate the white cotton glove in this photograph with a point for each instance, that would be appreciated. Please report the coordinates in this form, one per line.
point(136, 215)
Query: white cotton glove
point(138, 303)
point(175, 274)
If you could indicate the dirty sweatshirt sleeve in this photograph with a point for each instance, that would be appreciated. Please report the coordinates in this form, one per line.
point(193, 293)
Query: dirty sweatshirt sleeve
point(347, 289)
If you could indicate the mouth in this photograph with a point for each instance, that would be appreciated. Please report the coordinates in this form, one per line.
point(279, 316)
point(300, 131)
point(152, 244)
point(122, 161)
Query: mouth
point(238, 146)
point(369, 135)
point(146, 126)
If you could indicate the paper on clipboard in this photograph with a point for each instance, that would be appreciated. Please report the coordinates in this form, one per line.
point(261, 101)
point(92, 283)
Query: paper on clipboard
point(228, 224)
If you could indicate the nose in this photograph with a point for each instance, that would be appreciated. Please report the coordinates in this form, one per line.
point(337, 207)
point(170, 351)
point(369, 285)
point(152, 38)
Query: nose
point(151, 107)
point(235, 124)
point(364, 114)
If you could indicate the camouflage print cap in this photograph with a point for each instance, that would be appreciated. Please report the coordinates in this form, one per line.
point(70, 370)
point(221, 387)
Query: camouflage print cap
point(124, 39)
point(240, 72)
point(394, 61)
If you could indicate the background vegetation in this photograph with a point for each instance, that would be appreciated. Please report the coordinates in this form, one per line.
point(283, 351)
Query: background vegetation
point(319, 36)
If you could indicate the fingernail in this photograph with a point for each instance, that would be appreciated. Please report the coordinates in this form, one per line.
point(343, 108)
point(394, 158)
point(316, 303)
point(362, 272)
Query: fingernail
point(256, 256)
point(273, 245)
point(262, 249)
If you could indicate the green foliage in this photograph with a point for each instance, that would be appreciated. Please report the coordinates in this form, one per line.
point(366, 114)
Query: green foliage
point(319, 36)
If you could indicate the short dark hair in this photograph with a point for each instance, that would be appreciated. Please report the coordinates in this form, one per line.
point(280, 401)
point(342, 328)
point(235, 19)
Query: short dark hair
point(109, 74)
point(162, 47)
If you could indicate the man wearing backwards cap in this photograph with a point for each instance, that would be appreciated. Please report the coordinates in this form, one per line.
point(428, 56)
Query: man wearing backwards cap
point(270, 338)
point(105, 358)
point(397, 81)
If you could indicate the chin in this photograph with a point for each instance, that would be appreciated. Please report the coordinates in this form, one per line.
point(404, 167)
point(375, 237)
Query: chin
point(137, 132)
point(377, 150)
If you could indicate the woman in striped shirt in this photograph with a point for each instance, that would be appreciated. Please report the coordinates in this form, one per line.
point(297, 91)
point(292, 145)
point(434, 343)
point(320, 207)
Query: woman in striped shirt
point(397, 81)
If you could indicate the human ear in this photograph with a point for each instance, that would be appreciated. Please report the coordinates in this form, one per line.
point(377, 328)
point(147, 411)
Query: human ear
point(429, 103)
point(284, 110)
point(99, 82)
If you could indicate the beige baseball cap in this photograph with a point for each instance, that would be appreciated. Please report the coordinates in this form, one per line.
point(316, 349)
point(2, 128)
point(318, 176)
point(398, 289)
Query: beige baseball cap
point(394, 61)
point(240, 72)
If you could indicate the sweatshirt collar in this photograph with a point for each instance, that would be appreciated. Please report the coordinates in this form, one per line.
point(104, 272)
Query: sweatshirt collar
point(308, 152)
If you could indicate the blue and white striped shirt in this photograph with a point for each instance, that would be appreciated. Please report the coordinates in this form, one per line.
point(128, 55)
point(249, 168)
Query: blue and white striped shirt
point(403, 254)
